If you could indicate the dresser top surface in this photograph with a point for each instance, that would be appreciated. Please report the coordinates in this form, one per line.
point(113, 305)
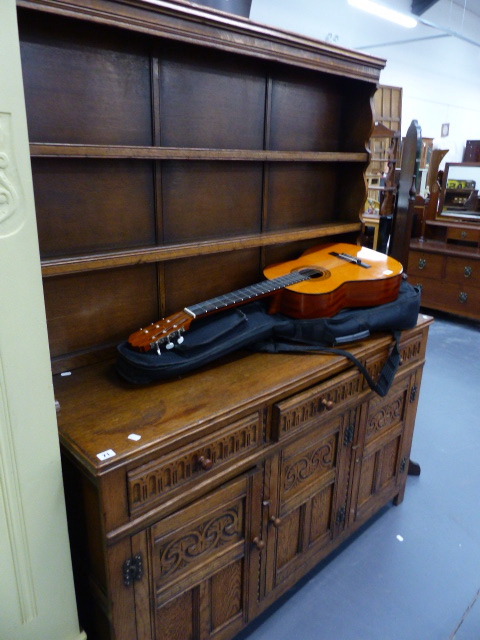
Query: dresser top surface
point(100, 412)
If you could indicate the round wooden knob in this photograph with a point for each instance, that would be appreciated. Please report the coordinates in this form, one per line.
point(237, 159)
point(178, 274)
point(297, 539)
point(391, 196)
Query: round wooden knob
point(205, 463)
point(259, 543)
point(275, 521)
point(328, 404)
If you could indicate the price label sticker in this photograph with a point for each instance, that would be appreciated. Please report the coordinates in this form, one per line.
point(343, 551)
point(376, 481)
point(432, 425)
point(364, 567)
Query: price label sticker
point(109, 453)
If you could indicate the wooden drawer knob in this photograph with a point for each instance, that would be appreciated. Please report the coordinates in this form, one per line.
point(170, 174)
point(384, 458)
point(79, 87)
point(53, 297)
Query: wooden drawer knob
point(259, 543)
point(205, 463)
point(275, 521)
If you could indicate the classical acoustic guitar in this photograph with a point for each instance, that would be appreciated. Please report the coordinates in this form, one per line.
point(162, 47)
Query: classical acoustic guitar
point(319, 283)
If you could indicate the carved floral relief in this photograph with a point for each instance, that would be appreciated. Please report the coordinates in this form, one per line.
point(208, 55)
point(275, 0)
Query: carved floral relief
point(10, 210)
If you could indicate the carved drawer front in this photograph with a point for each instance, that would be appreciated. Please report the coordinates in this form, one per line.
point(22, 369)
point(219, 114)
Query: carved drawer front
point(464, 271)
point(429, 265)
point(411, 350)
point(379, 465)
point(199, 563)
point(315, 404)
point(148, 484)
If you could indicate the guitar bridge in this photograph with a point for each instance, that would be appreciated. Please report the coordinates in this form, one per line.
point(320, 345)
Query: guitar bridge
point(349, 258)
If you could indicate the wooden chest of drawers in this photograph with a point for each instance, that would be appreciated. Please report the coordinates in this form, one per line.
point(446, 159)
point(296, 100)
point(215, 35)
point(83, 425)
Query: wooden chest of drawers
point(195, 503)
point(449, 276)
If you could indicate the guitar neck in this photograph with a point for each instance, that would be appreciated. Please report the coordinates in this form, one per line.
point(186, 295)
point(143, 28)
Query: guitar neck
point(247, 294)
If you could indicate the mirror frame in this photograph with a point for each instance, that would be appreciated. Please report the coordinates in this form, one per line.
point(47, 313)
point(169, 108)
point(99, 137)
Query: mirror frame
point(441, 206)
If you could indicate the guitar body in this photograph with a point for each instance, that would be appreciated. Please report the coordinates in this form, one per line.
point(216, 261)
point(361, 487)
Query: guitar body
point(340, 283)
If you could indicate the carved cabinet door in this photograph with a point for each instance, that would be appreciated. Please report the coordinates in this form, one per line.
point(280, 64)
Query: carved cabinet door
point(201, 566)
point(383, 450)
point(306, 498)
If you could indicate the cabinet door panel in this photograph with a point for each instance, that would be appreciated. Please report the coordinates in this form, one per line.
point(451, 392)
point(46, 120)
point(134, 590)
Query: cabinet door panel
point(322, 505)
point(175, 619)
point(312, 490)
point(199, 560)
point(288, 538)
point(378, 468)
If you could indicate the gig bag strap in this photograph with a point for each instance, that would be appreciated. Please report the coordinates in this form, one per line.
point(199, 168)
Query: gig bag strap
point(385, 378)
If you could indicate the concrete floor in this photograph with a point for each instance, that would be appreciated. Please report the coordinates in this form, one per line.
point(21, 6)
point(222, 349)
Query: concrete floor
point(413, 572)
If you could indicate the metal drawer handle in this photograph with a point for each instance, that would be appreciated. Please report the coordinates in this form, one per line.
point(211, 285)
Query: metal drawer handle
point(463, 234)
point(467, 272)
point(463, 297)
point(422, 263)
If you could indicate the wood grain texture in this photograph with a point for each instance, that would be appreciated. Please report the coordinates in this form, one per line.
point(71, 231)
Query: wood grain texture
point(176, 152)
point(165, 133)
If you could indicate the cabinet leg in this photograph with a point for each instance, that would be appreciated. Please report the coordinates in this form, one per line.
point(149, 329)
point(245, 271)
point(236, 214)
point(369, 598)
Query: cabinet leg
point(413, 468)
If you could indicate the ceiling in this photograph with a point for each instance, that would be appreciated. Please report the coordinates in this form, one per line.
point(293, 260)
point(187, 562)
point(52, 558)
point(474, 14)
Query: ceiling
point(446, 41)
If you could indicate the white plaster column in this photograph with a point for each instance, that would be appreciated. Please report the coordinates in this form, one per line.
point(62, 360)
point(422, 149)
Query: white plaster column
point(37, 599)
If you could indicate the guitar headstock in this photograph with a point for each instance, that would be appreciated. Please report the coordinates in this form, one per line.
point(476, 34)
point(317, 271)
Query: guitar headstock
point(166, 331)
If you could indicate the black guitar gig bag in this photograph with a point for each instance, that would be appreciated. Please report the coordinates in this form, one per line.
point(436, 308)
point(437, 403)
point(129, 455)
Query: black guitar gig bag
point(251, 326)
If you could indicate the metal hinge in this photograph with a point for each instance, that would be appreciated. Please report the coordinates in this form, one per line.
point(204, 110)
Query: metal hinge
point(349, 434)
point(132, 569)
point(341, 513)
point(413, 393)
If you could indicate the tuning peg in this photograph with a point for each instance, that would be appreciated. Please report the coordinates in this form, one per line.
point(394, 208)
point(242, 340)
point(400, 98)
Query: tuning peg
point(158, 349)
point(169, 344)
point(180, 339)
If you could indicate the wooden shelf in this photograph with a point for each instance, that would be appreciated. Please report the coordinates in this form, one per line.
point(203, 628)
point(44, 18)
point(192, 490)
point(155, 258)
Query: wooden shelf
point(438, 246)
point(115, 259)
point(452, 224)
point(45, 150)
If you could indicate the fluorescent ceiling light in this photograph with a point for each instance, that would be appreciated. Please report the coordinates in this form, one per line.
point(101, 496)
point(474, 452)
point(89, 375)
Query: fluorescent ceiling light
point(384, 12)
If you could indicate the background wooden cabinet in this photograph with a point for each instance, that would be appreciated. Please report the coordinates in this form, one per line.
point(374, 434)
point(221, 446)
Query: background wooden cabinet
point(446, 264)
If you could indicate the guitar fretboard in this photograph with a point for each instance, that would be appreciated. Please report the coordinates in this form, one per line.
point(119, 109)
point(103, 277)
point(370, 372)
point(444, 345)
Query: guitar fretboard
point(248, 293)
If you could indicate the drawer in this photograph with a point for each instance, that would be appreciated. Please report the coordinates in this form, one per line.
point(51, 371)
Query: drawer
point(425, 264)
point(462, 300)
point(315, 404)
point(149, 484)
point(463, 271)
point(386, 416)
point(450, 297)
point(464, 235)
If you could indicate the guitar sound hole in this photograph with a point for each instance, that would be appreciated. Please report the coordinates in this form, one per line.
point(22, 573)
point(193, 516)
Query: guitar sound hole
point(314, 273)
